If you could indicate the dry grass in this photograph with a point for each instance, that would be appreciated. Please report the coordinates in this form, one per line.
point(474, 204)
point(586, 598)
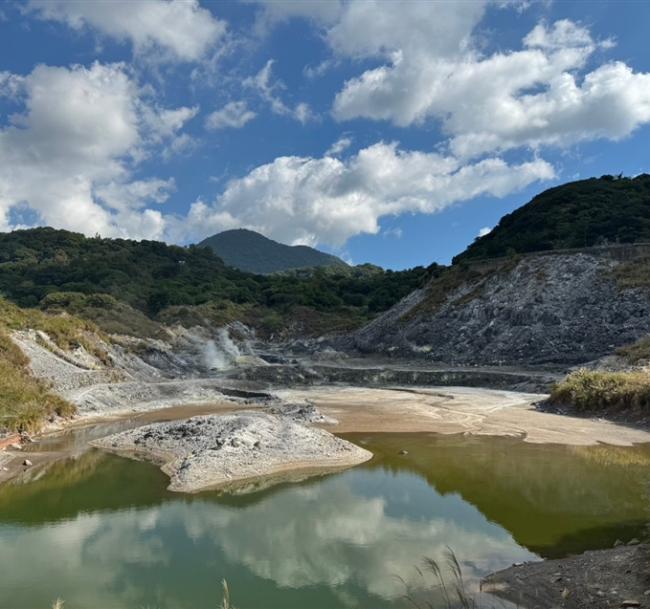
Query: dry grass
point(592, 391)
point(449, 590)
point(25, 402)
point(633, 274)
point(66, 331)
point(636, 352)
point(451, 279)
point(104, 312)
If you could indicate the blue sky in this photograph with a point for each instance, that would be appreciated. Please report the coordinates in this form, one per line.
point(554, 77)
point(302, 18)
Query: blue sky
point(385, 132)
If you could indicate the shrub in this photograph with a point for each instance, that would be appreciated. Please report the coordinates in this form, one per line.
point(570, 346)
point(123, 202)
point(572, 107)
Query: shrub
point(588, 390)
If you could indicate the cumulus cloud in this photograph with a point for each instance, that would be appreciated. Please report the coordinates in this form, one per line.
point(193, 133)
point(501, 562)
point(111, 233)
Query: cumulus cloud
point(181, 29)
point(68, 155)
point(538, 95)
point(234, 115)
point(305, 200)
point(486, 230)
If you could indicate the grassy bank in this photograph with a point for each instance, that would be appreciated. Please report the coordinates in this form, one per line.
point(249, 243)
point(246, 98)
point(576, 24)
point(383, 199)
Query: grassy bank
point(25, 402)
point(616, 393)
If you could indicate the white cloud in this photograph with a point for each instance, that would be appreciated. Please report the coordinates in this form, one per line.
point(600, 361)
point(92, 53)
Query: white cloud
point(339, 146)
point(538, 95)
point(69, 154)
point(326, 200)
point(394, 232)
point(180, 29)
point(370, 28)
point(10, 84)
point(234, 114)
point(164, 123)
point(135, 195)
point(276, 11)
point(486, 230)
point(269, 90)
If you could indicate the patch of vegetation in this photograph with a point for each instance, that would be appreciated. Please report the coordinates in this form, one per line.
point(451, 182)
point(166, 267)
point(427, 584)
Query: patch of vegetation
point(449, 590)
point(446, 280)
point(66, 331)
point(633, 274)
point(636, 352)
point(25, 402)
point(588, 391)
point(57, 269)
point(109, 314)
point(578, 214)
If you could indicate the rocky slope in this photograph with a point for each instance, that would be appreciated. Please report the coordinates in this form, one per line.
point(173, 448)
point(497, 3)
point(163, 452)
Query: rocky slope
point(555, 308)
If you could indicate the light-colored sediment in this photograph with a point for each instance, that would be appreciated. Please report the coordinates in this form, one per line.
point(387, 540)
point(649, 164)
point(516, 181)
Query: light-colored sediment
point(453, 410)
point(235, 451)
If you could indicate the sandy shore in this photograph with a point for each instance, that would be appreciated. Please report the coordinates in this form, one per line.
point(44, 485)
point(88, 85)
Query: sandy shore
point(453, 410)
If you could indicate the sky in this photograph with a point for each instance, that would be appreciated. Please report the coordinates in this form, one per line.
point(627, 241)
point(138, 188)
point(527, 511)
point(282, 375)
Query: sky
point(382, 131)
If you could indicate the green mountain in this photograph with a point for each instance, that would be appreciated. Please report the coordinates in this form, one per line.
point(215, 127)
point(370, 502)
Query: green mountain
point(100, 278)
point(578, 214)
point(249, 251)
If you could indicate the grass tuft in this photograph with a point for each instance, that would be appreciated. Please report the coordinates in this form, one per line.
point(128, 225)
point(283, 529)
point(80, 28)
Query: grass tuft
point(592, 391)
point(636, 352)
point(449, 590)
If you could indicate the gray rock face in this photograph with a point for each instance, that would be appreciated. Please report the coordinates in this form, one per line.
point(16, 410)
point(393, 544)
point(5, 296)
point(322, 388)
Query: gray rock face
point(562, 308)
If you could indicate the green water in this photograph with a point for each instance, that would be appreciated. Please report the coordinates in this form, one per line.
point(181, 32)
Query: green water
point(102, 532)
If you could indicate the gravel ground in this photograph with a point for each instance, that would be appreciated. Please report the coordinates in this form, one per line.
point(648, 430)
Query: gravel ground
point(602, 579)
point(235, 451)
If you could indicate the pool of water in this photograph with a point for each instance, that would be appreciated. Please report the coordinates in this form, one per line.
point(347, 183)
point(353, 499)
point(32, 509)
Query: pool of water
point(102, 532)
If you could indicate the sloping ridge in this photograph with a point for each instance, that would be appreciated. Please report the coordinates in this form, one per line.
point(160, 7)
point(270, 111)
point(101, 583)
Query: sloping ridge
point(580, 289)
point(252, 252)
point(556, 308)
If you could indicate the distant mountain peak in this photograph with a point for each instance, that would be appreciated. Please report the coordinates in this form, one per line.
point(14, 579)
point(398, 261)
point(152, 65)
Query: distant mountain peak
point(250, 251)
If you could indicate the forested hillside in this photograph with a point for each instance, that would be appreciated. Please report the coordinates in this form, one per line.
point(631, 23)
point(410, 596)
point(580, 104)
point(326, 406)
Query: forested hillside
point(578, 214)
point(249, 251)
point(47, 267)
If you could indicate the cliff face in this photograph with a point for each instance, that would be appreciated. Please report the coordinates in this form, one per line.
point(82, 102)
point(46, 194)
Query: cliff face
point(562, 308)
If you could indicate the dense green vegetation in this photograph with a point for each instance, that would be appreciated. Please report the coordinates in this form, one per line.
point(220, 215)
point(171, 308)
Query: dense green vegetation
point(578, 214)
point(589, 391)
point(56, 269)
point(249, 251)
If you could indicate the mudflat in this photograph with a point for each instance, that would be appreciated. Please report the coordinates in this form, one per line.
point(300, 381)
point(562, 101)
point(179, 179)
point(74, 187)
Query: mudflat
point(452, 410)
